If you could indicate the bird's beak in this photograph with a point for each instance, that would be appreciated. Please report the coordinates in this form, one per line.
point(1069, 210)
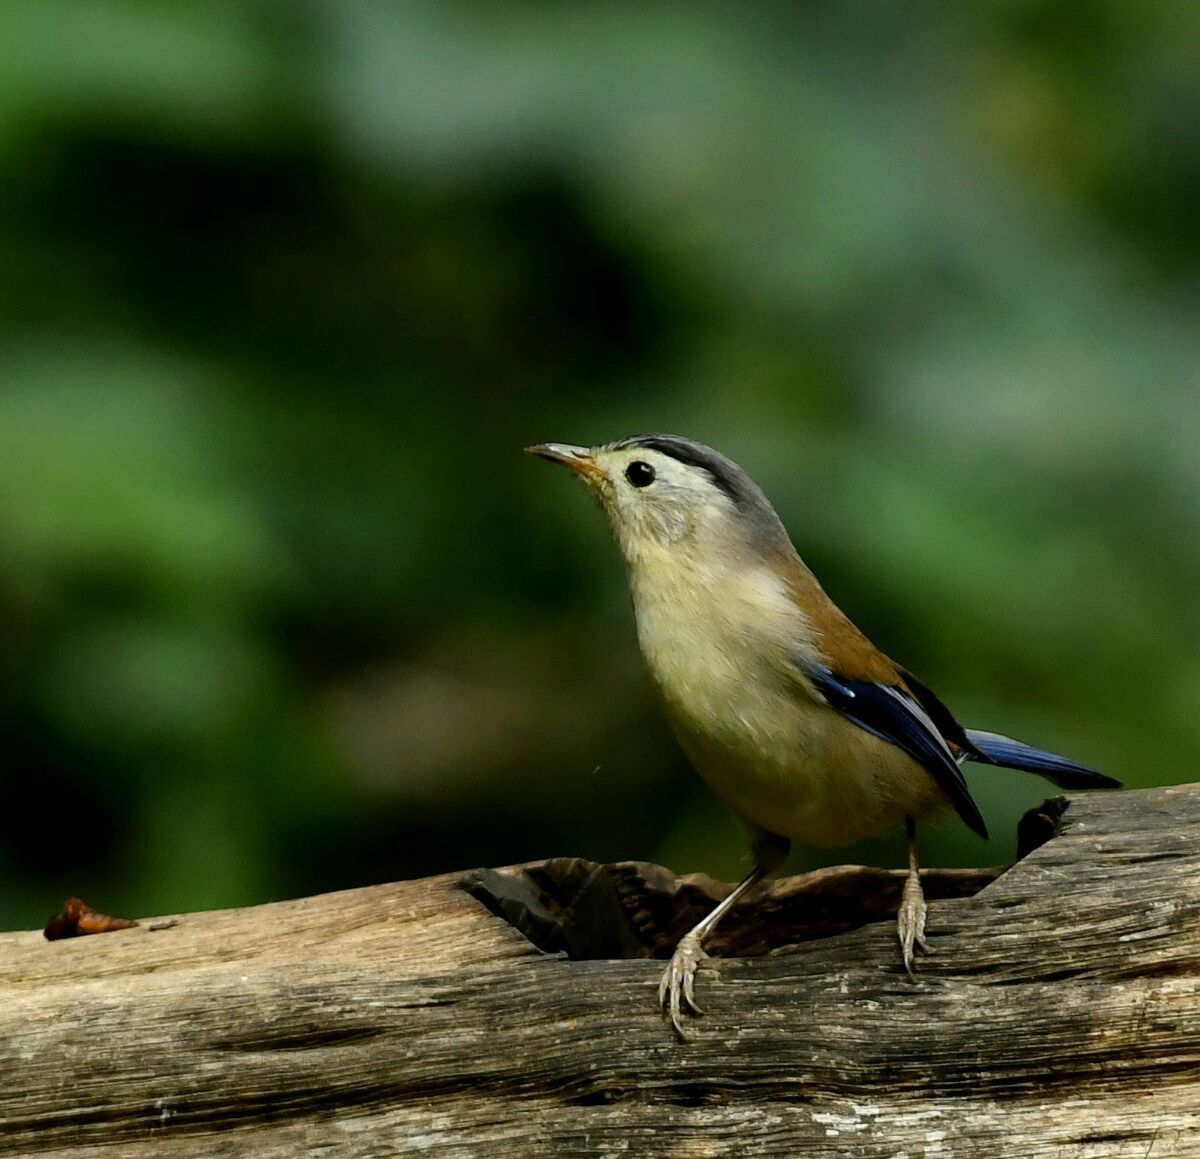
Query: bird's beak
point(579, 459)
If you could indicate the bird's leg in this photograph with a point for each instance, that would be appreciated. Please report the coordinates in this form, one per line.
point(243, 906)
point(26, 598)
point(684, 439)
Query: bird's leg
point(910, 918)
point(678, 985)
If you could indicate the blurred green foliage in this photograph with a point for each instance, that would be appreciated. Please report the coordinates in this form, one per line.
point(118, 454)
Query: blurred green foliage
point(289, 285)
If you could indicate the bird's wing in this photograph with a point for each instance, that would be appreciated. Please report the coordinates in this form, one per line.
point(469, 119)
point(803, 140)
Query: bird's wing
point(889, 712)
point(856, 679)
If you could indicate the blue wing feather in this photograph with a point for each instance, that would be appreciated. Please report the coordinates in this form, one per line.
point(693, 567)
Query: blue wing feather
point(887, 712)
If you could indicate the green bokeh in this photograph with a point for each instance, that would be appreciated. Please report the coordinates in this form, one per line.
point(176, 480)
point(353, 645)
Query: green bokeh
point(288, 286)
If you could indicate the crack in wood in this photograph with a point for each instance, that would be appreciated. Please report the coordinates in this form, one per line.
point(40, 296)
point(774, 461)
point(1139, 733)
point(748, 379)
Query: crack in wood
point(589, 912)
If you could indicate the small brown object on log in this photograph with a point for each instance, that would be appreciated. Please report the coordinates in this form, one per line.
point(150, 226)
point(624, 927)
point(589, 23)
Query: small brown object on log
point(78, 919)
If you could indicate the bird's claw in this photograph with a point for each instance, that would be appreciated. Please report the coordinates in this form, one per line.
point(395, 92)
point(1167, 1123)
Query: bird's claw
point(910, 923)
point(678, 986)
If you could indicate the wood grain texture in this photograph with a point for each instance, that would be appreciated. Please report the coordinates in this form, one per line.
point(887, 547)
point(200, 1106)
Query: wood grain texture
point(1059, 1017)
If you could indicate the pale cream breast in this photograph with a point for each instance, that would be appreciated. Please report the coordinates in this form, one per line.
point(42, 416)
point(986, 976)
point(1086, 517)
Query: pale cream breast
point(722, 650)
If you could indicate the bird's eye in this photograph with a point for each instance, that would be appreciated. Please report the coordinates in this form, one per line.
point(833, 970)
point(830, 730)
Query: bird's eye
point(639, 474)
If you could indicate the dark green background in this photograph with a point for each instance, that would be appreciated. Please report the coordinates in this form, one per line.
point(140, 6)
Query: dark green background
point(286, 288)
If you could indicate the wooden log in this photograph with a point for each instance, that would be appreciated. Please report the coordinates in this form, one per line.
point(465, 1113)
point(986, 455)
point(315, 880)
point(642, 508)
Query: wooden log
point(1058, 1016)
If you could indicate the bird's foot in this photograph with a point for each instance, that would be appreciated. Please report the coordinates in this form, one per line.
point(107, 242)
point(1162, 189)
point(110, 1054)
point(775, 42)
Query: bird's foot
point(678, 986)
point(910, 922)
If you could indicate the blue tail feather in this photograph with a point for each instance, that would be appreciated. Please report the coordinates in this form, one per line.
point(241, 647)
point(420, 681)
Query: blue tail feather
point(1015, 754)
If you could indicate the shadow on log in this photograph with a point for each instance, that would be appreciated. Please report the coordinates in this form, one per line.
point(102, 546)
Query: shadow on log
point(512, 1013)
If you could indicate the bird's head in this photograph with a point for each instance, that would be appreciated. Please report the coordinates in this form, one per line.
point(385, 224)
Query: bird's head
point(668, 496)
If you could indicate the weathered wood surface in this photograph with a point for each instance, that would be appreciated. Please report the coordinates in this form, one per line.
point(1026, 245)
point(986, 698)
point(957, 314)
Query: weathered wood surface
point(1059, 1016)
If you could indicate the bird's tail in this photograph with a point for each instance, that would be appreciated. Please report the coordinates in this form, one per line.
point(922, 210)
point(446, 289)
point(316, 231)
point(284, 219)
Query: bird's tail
point(1015, 754)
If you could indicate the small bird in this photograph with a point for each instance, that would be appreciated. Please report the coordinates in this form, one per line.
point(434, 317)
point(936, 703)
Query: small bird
point(794, 718)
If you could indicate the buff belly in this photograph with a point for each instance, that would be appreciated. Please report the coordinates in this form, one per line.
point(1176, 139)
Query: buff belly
point(818, 779)
point(758, 734)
